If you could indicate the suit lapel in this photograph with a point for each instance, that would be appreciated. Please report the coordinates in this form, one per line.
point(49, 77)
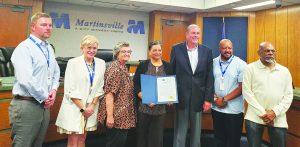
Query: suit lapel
point(200, 56)
point(186, 56)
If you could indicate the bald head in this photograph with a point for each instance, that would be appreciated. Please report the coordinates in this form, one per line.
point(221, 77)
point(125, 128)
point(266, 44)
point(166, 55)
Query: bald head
point(267, 53)
point(226, 49)
point(225, 41)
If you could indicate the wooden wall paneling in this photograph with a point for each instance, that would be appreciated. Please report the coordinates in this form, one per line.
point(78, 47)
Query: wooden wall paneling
point(55, 108)
point(292, 141)
point(251, 50)
point(156, 29)
point(37, 6)
point(151, 27)
point(5, 140)
point(207, 122)
point(6, 95)
point(172, 34)
point(26, 2)
point(281, 36)
point(259, 31)
point(294, 43)
point(198, 20)
point(293, 119)
point(269, 24)
point(4, 121)
point(10, 36)
point(169, 120)
point(12, 2)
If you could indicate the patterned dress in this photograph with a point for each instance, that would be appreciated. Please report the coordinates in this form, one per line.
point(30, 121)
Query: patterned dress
point(118, 82)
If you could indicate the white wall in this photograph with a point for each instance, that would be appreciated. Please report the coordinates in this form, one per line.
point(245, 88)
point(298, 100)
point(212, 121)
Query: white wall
point(67, 41)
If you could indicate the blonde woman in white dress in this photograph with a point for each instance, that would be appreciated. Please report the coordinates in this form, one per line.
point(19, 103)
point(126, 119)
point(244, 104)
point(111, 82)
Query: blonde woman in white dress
point(83, 87)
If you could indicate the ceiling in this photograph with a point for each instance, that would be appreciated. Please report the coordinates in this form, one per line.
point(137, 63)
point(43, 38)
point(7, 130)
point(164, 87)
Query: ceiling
point(183, 6)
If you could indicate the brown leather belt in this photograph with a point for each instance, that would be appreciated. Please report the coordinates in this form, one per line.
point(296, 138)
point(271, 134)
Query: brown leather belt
point(25, 98)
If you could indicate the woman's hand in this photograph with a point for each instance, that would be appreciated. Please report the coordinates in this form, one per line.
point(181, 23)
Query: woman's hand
point(89, 111)
point(110, 122)
point(151, 105)
point(140, 95)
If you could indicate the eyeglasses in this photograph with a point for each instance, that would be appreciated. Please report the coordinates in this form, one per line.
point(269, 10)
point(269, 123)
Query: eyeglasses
point(124, 51)
point(270, 50)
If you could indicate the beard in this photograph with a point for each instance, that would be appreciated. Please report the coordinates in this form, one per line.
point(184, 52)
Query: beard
point(270, 61)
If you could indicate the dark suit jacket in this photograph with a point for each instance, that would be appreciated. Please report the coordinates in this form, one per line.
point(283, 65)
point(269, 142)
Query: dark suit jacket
point(142, 69)
point(193, 89)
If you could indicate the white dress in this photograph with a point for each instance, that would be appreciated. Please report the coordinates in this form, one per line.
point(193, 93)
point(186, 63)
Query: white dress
point(77, 85)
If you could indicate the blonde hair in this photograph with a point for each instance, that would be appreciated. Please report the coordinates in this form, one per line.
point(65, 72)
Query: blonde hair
point(89, 39)
point(37, 16)
point(118, 47)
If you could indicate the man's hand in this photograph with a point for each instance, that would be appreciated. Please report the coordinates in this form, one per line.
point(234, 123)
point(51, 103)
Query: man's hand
point(206, 106)
point(218, 102)
point(269, 117)
point(51, 99)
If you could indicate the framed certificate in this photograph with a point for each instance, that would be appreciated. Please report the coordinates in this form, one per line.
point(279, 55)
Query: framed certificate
point(159, 89)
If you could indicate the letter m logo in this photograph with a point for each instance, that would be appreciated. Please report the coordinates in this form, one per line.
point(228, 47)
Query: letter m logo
point(136, 27)
point(62, 20)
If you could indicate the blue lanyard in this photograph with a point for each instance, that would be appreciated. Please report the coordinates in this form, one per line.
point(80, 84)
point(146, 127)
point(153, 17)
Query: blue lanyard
point(91, 74)
point(38, 45)
point(223, 72)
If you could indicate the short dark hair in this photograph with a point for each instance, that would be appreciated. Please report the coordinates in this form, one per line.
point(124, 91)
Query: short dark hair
point(152, 43)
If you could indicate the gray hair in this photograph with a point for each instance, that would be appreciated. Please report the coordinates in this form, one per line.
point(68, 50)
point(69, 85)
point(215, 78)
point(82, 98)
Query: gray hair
point(118, 47)
point(188, 29)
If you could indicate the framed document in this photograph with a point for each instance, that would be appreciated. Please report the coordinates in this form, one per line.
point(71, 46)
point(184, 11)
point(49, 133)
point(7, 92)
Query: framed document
point(159, 90)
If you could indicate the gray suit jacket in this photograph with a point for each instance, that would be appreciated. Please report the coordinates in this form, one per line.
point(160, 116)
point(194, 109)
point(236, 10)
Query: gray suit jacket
point(193, 89)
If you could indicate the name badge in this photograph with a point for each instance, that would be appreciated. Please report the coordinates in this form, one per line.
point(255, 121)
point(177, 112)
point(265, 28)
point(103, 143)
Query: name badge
point(222, 86)
point(48, 81)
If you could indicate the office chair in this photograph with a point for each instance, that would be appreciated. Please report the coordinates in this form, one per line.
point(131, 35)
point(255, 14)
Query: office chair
point(106, 55)
point(7, 68)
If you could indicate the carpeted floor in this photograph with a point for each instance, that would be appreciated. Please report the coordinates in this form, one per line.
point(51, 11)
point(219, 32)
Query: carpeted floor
point(98, 140)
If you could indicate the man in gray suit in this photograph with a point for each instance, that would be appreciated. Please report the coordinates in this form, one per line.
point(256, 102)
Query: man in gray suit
point(193, 66)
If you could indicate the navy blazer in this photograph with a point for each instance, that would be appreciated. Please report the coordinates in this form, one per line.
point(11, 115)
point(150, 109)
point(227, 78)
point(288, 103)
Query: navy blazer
point(193, 89)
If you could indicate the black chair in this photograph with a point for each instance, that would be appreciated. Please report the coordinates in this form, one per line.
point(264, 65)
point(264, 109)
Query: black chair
point(62, 63)
point(106, 55)
point(6, 66)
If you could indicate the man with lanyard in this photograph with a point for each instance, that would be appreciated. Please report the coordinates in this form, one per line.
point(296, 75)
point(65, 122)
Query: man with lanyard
point(228, 107)
point(37, 75)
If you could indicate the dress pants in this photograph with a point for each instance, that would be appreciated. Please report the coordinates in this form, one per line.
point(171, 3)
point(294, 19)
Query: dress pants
point(116, 137)
point(184, 117)
point(255, 132)
point(227, 128)
point(29, 121)
point(150, 130)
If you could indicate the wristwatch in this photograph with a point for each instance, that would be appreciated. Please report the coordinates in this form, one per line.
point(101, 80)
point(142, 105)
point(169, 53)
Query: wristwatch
point(224, 101)
point(82, 110)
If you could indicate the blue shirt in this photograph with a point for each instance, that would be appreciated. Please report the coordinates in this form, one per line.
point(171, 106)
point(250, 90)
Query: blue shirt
point(31, 69)
point(232, 77)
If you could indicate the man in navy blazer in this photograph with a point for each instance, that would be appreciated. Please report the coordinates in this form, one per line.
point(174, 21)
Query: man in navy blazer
point(193, 66)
